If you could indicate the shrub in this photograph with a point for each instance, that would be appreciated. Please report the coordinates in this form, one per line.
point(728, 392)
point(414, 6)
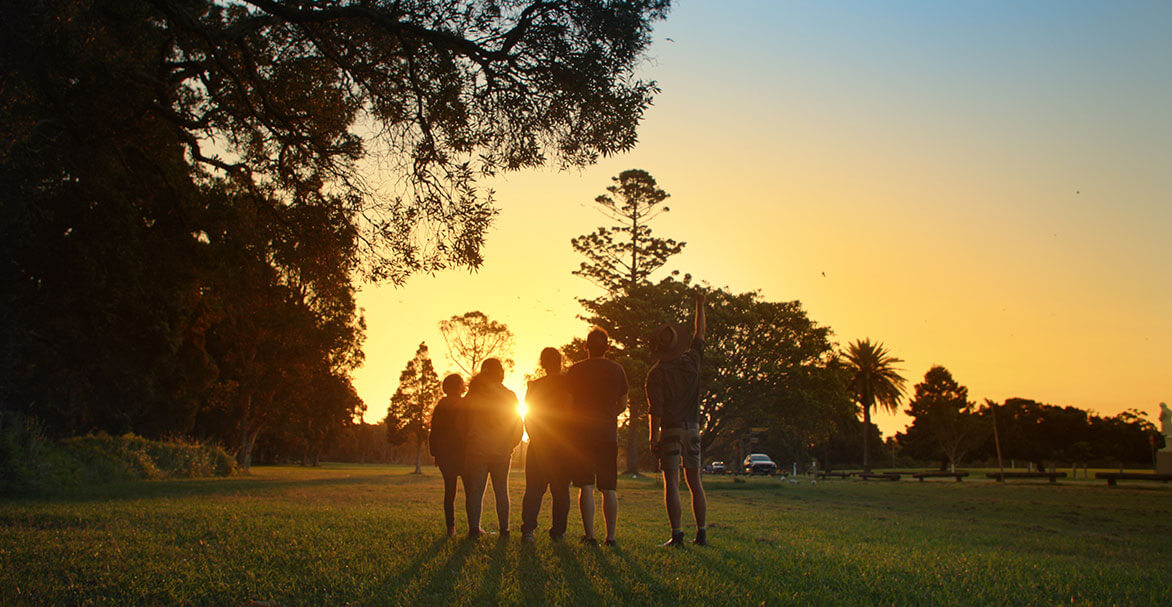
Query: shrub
point(30, 462)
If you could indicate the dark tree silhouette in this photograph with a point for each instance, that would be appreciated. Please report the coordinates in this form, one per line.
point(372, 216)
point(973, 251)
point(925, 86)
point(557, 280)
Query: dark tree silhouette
point(626, 254)
point(621, 259)
point(409, 414)
point(151, 153)
point(944, 421)
point(874, 381)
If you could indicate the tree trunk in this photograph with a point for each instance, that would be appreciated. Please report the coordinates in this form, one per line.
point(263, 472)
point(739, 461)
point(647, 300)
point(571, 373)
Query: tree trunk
point(418, 456)
point(866, 437)
point(244, 458)
point(632, 447)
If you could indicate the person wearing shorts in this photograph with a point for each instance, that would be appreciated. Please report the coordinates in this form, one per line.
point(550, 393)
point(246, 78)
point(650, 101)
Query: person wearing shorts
point(673, 394)
point(598, 394)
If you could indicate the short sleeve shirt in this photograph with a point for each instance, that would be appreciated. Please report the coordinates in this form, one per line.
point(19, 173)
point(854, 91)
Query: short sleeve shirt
point(597, 386)
point(673, 387)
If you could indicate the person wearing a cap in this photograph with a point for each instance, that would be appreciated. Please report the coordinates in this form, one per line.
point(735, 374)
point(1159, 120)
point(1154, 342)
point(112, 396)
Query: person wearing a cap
point(673, 393)
point(598, 394)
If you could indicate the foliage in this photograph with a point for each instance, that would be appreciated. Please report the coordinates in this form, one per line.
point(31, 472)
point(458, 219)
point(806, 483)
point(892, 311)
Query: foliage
point(1041, 433)
point(29, 462)
point(874, 380)
point(474, 338)
point(944, 422)
point(766, 364)
point(409, 413)
point(373, 535)
point(183, 213)
point(624, 255)
point(620, 259)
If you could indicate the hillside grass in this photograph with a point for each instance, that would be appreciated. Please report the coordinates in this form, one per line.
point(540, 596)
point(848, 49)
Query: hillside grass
point(372, 535)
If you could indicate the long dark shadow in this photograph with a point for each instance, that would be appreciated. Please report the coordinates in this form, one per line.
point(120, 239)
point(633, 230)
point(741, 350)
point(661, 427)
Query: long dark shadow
point(661, 593)
point(575, 576)
point(439, 588)
point(492, 583)
point(533, 576)
point(384, 593)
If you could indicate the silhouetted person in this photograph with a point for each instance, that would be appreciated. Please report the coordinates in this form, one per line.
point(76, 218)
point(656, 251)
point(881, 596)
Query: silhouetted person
point(673, 394)
point(598, 389)
point(546, 463)
point(446, 443)
point(494, 428)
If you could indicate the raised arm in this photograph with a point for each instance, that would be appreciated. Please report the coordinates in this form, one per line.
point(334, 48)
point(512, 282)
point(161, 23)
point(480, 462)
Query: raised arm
point(701, 321)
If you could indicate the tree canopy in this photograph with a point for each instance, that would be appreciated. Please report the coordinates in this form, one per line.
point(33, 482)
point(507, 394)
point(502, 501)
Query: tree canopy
point(184, 180)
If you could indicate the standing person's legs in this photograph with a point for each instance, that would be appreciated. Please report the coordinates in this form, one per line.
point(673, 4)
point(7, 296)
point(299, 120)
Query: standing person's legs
point(475, 479)
point(671, 497)
point(690, 460)
point(699, 504)
point(559, 490)
point(500, 487)
point(670, 447)
point(586, 506)
point(535, 482)
point(607, 472)
point(450, 478)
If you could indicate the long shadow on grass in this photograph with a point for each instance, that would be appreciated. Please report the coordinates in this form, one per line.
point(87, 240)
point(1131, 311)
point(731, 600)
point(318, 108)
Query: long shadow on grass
point(492, 578)
point(533, 576)
point(575, 576)
point(440, 587)
point(660, 593)
point(385, 592)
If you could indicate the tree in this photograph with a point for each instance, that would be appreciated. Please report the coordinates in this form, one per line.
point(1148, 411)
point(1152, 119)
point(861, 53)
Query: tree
point(626, 254)
point(409, 414)
point(473, 338)
point(765, 363)
point(874, 380)
point(139, 139)
point(621, 259)
point(944, 422)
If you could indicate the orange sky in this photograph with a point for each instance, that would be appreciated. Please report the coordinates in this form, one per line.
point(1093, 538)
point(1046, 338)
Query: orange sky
point(984, 189)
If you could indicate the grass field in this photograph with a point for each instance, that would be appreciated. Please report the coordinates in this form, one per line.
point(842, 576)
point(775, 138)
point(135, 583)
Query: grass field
point(372, 535)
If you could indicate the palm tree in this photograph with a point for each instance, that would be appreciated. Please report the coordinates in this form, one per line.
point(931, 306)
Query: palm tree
point(874, 381)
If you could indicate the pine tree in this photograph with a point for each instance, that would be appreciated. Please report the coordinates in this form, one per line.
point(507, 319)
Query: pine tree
point(409, 414)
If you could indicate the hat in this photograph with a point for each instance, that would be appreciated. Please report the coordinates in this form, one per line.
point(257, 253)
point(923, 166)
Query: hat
point(669, 341)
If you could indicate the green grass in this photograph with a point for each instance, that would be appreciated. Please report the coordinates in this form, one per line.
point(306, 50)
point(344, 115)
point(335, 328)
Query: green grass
point(372, 535)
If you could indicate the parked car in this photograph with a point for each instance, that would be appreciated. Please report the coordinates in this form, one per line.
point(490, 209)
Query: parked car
point(715, 468)
point(759, 463)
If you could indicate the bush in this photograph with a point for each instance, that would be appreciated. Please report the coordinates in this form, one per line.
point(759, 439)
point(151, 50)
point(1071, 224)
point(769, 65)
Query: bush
point(30, 462)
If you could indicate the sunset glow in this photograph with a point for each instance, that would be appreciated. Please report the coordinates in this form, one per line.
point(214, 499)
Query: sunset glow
point(983, 194)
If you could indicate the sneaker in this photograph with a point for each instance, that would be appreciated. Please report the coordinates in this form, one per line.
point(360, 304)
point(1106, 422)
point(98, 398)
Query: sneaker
point(701, 537)
point(452, 531)
point(610, 543)
point(526, 537)
point(589, 541)
point(554, 538)
point(676, 541)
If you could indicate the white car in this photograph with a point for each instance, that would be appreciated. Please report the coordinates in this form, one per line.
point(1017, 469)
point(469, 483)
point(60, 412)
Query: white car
point(759, 463)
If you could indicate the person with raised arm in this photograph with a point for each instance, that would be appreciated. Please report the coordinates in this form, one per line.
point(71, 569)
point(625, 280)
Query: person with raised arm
point(673, 395)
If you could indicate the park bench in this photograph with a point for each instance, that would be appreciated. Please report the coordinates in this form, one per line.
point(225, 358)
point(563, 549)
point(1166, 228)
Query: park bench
point(1113, 477)
point(836, 474)
point(1001, 476)
point(879, 476)
point(939, 474)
